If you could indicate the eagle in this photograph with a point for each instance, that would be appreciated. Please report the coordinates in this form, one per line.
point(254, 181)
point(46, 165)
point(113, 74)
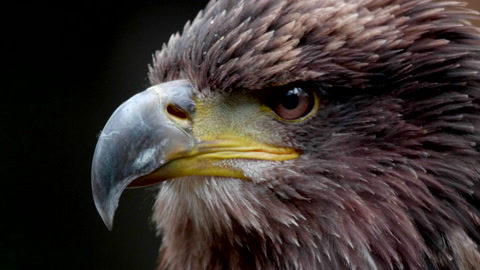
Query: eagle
point(313, 134)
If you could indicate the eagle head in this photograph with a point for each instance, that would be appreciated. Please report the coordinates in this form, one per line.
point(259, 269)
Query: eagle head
point(315, 134)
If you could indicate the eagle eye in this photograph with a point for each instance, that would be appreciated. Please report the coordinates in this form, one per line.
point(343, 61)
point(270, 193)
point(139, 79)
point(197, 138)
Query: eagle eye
point(291, 103)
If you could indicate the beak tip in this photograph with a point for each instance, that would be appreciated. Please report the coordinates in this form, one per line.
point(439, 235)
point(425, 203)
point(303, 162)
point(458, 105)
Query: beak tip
point(107, 214)
point(106, 202)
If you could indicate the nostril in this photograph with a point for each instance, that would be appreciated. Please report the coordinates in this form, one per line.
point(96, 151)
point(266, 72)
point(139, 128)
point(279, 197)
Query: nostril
point(174, 111)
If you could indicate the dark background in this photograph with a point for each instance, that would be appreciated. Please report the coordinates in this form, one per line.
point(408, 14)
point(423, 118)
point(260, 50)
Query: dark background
point(65, 68)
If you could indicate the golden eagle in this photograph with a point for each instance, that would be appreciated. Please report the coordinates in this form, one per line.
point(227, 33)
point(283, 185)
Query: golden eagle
point(314, 134)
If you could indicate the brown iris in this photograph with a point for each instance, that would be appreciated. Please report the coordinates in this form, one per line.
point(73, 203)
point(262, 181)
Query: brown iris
point(292, 103)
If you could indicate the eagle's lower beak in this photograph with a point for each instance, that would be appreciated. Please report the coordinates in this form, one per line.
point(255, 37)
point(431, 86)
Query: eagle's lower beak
point(150, 138)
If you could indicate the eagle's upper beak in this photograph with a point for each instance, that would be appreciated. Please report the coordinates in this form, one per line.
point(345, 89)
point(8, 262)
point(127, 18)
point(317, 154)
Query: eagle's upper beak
point(140, 137)
point(150, 138)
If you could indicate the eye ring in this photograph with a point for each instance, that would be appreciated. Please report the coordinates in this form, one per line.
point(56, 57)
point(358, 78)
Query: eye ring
point(292, 103)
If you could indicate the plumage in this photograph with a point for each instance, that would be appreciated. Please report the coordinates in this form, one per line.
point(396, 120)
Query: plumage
point(388, 175)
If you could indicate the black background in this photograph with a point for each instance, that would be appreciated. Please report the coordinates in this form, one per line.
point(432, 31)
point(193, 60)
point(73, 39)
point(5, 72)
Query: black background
point(65, 68)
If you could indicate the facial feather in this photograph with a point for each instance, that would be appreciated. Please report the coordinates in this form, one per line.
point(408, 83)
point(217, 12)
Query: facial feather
point(389, 171)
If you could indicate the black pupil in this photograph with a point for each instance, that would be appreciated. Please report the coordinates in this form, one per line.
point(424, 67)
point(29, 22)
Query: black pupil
point(291, 99)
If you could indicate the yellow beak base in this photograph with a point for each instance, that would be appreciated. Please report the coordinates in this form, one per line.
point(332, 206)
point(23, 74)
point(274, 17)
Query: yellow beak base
point(205, 157)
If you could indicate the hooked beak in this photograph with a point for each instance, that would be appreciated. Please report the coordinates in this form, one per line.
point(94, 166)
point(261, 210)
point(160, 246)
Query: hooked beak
point(150, 138)
point(140, 137)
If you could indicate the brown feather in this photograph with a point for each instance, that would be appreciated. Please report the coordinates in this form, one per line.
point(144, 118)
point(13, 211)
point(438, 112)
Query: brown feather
point(390, 178)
